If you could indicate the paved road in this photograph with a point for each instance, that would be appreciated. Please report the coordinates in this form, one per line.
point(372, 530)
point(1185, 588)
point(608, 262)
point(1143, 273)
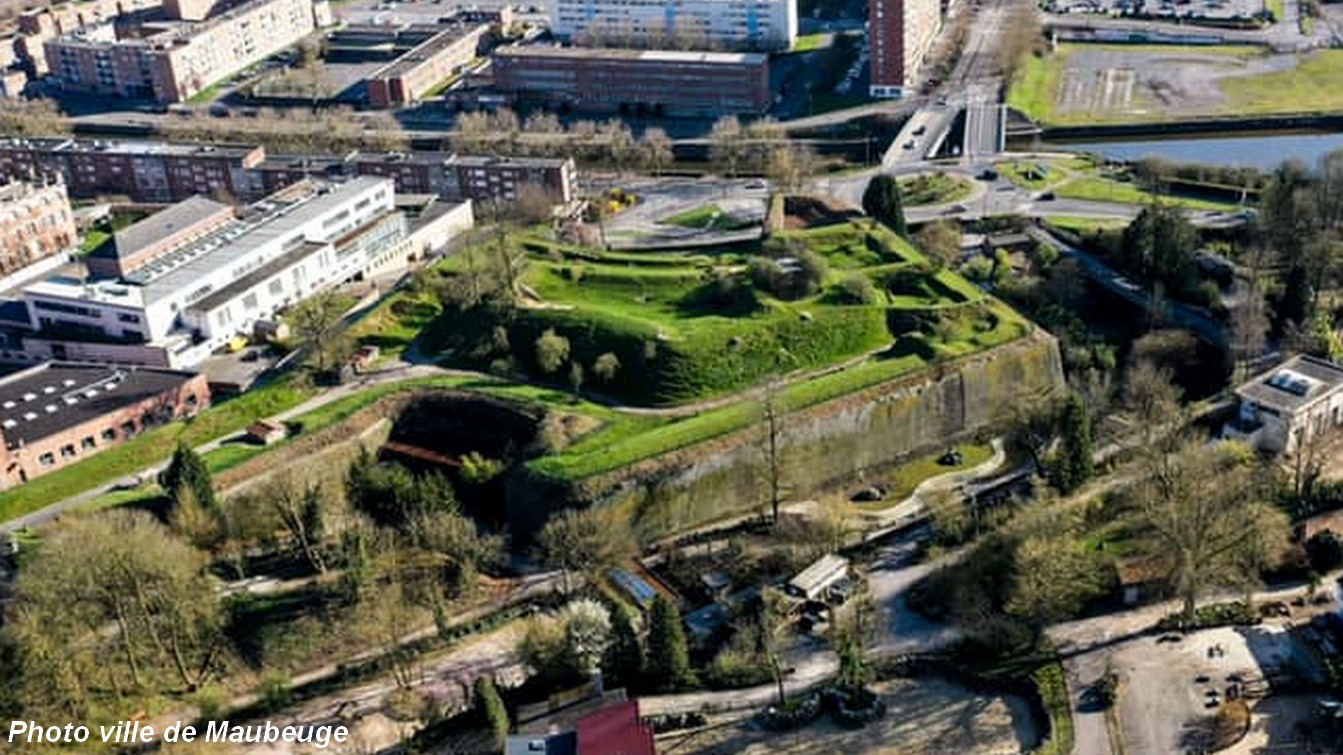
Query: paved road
point(1174, 312)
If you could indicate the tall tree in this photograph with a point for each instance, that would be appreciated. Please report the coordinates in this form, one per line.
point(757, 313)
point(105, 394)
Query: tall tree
point(881, 200)
point(490, 707)
point(668, 653)
point(623, 662)
point(855, 626)
point(941, 240)
point(112, 605)
point(316, 322)
point(1073, 467)
point(585, 541)
point(655, 149)
point(773, 627)
point(185, 471)
point(727, 143)
point(1207, 505)
point(773, 412)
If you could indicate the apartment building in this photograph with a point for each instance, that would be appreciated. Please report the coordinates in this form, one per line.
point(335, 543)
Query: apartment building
point(142, 171)
point(37, 229)
point(762, 25)
point(162, 173)
point(660, 82)
point(176, 308)
point(901, 34)
point(407, 79)
point(475, 178)
point(55, 414)
point(172, 61)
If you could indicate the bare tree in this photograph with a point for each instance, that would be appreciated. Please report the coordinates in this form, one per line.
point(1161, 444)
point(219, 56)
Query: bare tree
point(656, 149)
point(727, 143)
point(773, 411)
point(1206, 505)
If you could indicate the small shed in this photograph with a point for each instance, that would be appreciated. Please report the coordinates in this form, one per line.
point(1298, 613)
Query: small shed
point(265, 432)
point(1142, 577)
point(813, 582)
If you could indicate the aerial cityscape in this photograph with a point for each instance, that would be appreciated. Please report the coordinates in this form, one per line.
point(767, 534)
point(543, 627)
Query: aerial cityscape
point(618, 377)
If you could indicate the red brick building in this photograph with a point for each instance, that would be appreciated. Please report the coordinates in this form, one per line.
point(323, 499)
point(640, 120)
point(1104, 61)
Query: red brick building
point(57, 414)
point(661, 82)
point(901, 34)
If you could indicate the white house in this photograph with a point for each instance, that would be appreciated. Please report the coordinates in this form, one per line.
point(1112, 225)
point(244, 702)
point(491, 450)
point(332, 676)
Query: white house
point(1286, 406)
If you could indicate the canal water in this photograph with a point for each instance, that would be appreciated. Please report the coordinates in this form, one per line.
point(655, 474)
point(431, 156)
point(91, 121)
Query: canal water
point(1263, 151)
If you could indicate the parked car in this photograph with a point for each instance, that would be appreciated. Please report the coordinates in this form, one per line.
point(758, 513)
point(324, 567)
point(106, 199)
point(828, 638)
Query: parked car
point(1048, 196)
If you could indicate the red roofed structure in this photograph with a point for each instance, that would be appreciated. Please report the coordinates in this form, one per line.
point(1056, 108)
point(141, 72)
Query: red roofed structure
point(615, 730)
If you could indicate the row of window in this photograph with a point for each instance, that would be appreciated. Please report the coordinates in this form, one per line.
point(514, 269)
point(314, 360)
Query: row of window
point(109, 435)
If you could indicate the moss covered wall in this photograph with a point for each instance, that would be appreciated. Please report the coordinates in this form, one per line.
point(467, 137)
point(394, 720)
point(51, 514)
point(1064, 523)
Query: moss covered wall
point(830, 444)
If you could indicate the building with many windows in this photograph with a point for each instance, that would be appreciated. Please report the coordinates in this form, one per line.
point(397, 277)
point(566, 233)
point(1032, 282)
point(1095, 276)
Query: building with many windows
point(37, 229)
point(762, 25)
point(429, 64)
point(901, 34)
point(172, 61)
point(660, 82)
point(55, 414)
point(175, 308)
point(161, 172)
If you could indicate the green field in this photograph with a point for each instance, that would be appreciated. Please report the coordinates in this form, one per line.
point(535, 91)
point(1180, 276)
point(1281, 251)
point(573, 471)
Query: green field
point(1030, 174)
point(934, 188)
point(1316, 85)
point(1084, 225)
point(709, 217)
point(1107, 190)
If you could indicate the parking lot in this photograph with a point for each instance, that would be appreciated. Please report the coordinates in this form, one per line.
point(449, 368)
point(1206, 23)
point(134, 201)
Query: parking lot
point(1171, 685)
point(1155, 81)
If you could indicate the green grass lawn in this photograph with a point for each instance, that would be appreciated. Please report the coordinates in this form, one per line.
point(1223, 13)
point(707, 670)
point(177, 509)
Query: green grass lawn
point(1106, 190)
point(1036, 83)
point(1029, 174)
point(93, 238)
point(1316, 85)
point(709, 217)
point(810, 42)
point(933, 188)
point(1084, 225)
point(1275, 7)
point(906, 477)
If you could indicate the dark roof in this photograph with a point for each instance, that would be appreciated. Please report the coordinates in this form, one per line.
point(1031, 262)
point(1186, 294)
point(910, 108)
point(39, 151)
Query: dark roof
point(257, 276)
point(164, 223)
point(1293, 384)
point(53, 397)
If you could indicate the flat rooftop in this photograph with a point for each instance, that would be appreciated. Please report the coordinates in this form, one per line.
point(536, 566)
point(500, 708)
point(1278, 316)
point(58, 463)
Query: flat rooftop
point(650, 56)
point(58, 144)
point(166, 222)
point(427, 49)
point(53, 397)
point(1293, 384)
point(199, 260)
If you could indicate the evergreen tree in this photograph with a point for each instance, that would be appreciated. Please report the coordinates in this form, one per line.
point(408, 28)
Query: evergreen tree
point(623, 662)
point(1074, 464)
point(668, 655)
point(881, 200)
point(188, 470)
point(492, 710)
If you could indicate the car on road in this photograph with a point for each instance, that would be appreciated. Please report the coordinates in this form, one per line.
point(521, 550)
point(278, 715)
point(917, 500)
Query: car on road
point(955, 209)
point(757, 184)
point(921, 130)
point(1048, 196)
point(988, 174)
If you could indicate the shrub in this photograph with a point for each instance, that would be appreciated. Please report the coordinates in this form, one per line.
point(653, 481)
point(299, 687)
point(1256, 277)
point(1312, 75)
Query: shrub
point(1325, 550)
point(1236, 613)
point(276, 690)
point(857, 289)
point(796, 712)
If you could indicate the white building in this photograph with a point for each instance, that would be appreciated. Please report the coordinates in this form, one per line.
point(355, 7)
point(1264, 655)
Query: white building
point(1290, 405)
point(691, 24)
point(189, 302)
